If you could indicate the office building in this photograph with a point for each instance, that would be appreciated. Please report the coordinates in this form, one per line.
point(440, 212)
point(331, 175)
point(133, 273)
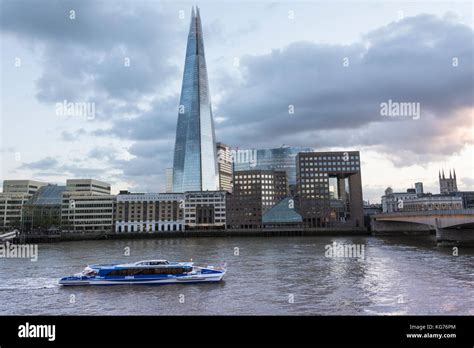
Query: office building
point(148, 212)
point(329, 189)
point(15, 194)
point(433, 202)
point(467, 198)
point(281, 158)
point(225, 167)
point(42, 212)
point(419, 188)
point(255, 192)
point(169, 180)
point(11, 205)
point(87, 207)
point(393, 202)
point(90, 186)
point(22, 186)
point(205, 210)
point(195, 158)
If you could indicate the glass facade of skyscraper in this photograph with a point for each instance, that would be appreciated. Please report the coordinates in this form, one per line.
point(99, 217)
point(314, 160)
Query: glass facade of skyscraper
point(195, 160)
point(282, 158)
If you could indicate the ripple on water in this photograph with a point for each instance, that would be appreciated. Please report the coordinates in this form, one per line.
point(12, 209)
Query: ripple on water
point(28, 284)
point(269, 276)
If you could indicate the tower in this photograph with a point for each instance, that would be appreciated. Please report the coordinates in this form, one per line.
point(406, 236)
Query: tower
point(195, 159)
point(447, 185)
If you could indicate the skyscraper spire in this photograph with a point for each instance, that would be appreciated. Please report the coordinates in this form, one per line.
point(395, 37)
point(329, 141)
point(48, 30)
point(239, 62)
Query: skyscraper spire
point(195, 159)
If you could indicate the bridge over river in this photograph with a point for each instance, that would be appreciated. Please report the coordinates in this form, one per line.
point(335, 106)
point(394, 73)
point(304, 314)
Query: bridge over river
point(452, 227)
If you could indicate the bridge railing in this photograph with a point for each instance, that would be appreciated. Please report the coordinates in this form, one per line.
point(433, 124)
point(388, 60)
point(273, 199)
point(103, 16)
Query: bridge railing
point(426, 213)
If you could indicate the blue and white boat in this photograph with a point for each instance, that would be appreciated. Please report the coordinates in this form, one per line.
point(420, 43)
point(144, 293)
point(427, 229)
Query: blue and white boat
point(149, 272)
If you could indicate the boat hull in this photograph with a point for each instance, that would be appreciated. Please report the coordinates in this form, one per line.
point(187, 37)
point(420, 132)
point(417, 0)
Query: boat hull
point(86, 281)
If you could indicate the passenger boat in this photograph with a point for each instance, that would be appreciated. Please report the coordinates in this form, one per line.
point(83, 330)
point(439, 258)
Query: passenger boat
point(146, 272)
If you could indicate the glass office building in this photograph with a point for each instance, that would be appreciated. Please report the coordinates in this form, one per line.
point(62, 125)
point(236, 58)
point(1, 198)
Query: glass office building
point(282, 158)
point(42, 212)
point(195, 160)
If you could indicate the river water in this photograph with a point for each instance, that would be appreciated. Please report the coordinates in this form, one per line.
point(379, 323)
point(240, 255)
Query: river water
point(274, 276)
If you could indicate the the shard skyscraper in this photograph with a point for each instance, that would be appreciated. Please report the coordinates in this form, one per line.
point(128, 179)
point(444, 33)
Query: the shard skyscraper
point(195, 162)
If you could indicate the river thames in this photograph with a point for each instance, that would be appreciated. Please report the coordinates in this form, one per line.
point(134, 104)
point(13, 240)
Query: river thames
point(266, 276)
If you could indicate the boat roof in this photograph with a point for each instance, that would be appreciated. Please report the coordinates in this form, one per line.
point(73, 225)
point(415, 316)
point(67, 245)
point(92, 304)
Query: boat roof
point(143, 263)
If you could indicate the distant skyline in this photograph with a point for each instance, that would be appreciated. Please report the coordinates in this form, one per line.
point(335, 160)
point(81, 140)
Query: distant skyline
point(331, 63)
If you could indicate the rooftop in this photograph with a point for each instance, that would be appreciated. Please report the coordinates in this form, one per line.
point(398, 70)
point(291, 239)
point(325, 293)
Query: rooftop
point(282, 213)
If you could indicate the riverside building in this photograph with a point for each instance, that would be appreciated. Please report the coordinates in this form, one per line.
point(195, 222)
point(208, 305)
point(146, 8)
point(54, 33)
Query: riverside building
point(433, 202)
point(148, 212)
point(42, 212)
point(15, 194)
point(87, 207)
point(255, 192)
point(329, 189)
point(205, 210)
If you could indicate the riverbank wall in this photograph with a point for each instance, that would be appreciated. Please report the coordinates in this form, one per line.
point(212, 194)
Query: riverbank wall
point(62, 237)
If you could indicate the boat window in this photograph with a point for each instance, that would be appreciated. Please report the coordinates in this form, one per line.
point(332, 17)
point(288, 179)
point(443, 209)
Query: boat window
point(148, 271)
point(155, 263)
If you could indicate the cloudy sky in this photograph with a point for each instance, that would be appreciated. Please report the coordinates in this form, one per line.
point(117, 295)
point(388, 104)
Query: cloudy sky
point(335, 62)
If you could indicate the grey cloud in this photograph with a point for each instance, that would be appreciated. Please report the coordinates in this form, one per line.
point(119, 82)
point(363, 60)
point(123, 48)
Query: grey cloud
point(50, 166)
point(150, 149)
point(43, 164)
point(467, 183)
point(157, 123)
point(410, 60)
point(84, 58)
point(72, 136)
point(102, 152)
point(334, 106)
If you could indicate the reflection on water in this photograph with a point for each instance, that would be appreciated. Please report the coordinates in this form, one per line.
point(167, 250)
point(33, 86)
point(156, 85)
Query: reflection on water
point(268, 276)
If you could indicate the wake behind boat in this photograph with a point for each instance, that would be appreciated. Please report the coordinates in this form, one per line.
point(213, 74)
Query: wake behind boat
point(145, 272)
